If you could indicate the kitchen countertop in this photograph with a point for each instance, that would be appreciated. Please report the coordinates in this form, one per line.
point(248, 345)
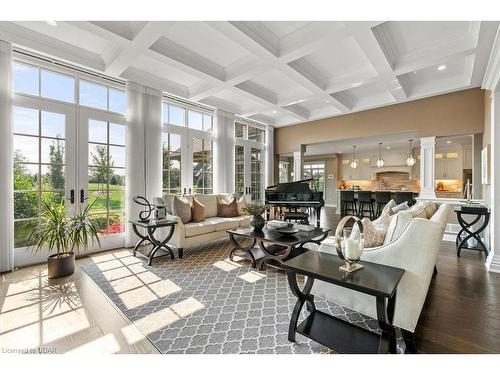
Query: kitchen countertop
point(389, 191)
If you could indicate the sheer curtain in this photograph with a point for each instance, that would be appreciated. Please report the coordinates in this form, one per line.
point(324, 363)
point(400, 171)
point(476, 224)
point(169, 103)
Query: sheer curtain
point(6, 188)
point(144, 118)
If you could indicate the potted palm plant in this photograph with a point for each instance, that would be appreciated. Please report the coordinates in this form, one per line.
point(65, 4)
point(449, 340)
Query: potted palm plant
point(256, 210)
point(57, 232)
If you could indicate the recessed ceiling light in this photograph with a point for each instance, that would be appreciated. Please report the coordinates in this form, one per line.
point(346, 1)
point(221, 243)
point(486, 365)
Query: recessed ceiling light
point(448, 142)
point(415, 72)
point(387, 147)
point(442, 67)
point(356, 84)
point(275, 111)
point(328, 101)
point(51, 23)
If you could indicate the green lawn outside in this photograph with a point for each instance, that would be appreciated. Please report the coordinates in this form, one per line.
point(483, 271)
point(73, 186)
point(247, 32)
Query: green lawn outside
point(116, 197)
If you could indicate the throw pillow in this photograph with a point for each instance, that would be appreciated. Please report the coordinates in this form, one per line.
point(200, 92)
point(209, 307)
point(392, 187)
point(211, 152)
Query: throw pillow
point(389, 206)
point(374, 232)
point(418, 211)
point(228, 209)
point(430, 209)
point(397, 225)
point(400, 207)
point(242, 203)
point(182, 208)
point(197, 211)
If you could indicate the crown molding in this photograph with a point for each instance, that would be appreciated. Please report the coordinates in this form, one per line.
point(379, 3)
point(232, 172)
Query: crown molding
point(492, 74)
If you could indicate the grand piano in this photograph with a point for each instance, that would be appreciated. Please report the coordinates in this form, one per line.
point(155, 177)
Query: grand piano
point(295, 195)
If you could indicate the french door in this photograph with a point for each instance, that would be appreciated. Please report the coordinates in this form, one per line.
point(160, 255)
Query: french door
point(101, 165)
point(44, 144)
point(188, 161)
point(249, 171)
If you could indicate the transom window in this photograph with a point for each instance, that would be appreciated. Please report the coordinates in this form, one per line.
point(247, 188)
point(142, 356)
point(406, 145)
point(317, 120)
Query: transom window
point(249, 132)
point(102, 97)
point(183, 116)
point(31, 80)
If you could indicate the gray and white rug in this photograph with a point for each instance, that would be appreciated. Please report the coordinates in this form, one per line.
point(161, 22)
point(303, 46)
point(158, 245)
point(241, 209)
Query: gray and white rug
point(204, 303)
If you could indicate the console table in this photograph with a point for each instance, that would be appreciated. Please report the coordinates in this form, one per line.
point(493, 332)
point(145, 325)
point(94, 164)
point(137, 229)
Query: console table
point(467, 227)
point(374, 279)
point(151, 226)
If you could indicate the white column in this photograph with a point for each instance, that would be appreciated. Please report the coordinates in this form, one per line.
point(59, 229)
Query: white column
point(298, 164)
point(224, 152)
point(493, 261)
point(6, 183)
point(153, 151)
point(427, 162)
point(269, 156)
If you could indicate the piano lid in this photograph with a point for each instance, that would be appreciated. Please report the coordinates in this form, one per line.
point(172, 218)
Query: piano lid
point(293, 187)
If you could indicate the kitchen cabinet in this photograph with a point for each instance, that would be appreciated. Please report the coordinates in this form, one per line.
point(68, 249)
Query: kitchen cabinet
point(448, 169)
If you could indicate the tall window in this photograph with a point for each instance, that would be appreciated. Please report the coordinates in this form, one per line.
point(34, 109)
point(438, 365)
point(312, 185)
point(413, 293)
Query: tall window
point(171, 169)
point(39, 163)
point(107, 175)
point(315, 170)
point(283, 171)
point(202, 166)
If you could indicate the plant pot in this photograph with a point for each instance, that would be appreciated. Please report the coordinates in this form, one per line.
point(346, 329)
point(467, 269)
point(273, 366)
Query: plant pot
point(61, 266)
point(257, 222)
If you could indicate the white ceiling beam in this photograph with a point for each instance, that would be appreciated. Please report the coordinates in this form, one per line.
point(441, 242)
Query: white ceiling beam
point(148, 35)
point(151, 80)
point(242, 34)
point(185, 60)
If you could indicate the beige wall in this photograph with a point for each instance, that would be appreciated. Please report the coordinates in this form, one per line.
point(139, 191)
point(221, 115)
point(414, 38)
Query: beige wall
point(460, 112)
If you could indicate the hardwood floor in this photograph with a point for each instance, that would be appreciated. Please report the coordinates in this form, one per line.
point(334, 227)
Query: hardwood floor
point(461, 314)
point(462, 310)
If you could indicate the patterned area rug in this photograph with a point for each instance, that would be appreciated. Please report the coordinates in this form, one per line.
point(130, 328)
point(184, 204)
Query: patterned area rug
point(204, 303)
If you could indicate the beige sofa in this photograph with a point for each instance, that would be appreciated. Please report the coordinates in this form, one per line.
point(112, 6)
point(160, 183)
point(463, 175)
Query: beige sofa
point(415, 250)
point(210, 229)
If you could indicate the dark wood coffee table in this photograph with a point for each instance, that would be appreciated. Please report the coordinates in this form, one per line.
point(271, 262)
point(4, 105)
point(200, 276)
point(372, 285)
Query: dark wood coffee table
point(374, 279)
point(272, 247)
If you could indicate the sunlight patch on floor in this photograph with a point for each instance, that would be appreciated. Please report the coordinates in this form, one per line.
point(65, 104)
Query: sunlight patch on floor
point(252, 276)
point(64, 325)
point(137, 297)
point(227, 265)
point(168, 315)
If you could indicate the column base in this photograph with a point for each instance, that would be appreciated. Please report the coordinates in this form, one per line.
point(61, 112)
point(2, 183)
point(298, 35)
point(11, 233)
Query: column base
point(493, 262)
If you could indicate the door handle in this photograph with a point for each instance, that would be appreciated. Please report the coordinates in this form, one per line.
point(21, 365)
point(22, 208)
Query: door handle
point(184, 191)
point(189, 190)
point(82, 196)
point(72, 196)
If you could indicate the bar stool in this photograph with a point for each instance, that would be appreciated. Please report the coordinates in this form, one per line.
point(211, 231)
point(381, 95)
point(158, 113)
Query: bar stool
point(404, 196)
point(381, 199)
point(348, 203)
point(365, 200)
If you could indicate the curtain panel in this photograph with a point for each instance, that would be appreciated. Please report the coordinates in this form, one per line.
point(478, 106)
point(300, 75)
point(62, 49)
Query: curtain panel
point(6, 182)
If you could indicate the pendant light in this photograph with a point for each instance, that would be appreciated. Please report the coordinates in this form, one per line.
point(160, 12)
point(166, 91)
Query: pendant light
point(410, 160)
point(354, 161)
point(380, 161)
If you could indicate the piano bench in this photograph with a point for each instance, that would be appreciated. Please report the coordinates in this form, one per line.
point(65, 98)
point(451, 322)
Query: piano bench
point(302, 217)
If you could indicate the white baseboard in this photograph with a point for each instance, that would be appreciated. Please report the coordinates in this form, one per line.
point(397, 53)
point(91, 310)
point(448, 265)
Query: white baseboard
point(331, 205)
point(493, 263)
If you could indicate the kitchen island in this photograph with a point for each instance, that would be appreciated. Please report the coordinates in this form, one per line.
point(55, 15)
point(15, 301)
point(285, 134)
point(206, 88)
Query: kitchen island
point(392, 191)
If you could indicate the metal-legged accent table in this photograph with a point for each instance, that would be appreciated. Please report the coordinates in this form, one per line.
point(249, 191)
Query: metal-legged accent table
point(467, 228)
point(151, 227)
point(377, 280)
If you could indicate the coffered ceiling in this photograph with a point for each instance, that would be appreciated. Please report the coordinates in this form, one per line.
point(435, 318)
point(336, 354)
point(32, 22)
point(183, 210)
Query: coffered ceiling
point(280, 73)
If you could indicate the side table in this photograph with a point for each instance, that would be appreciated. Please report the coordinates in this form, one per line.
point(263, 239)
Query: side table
point(467, 227)
point(151, 226)
point(374, 279)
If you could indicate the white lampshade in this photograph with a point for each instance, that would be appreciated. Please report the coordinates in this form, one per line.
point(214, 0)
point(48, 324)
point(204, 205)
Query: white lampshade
point(354, 164)
point(380, 163)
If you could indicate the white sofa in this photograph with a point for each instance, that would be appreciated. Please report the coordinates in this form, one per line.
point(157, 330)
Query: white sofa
point(415, 250)
point(210, 229)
